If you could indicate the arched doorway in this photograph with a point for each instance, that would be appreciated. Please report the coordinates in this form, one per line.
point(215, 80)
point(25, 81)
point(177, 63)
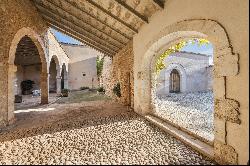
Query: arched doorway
point(27, 52)
point(223, 56)
point(174, 81)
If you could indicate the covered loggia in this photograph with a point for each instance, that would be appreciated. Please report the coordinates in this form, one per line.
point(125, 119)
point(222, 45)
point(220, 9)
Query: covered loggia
point(151, 27)
point(27, 82)
point(27, 72)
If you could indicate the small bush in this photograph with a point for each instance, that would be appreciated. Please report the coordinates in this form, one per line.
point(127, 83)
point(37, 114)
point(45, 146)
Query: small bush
point(117, 90)
point(101, 89)
point(65, 92)
point(84, 87)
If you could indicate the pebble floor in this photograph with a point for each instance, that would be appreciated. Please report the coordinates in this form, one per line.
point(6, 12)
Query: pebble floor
point(192, 111)
point(90, 134)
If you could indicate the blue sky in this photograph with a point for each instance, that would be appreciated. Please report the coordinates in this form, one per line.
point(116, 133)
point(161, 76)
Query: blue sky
point(61, 37)
point(204, 49)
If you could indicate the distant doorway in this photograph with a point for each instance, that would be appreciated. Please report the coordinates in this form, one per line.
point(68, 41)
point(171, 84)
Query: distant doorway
point(174, 82)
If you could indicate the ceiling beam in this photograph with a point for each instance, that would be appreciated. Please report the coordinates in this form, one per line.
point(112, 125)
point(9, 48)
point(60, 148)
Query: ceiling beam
point(85, 39)
point(158, 3)
point(76, 35)
point(54, 17)
point(99, 20)
point(82, 21)
point(111, 15)
point(133, 11)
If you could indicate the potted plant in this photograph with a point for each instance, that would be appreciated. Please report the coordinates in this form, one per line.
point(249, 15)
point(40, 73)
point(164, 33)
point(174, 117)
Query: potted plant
point(26, 86)
point(101, 90)
point(84, 88)
point(65, 92)
point(117, 90)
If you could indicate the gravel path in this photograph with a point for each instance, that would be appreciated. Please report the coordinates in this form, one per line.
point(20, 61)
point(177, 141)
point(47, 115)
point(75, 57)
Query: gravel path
point(91, 133)
point(192, 111)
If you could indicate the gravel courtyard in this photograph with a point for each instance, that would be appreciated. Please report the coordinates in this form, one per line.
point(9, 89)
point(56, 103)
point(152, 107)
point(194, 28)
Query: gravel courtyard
point(191, 111)
point(90, 132)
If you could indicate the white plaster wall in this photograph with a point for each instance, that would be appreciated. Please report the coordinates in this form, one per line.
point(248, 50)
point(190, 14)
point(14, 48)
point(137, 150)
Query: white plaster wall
point(76, 71)
point(233, 16)
point(82, 60)
point(31, 72)
point(192, 69)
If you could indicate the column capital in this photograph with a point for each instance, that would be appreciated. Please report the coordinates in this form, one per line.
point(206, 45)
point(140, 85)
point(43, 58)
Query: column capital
point(12, 67)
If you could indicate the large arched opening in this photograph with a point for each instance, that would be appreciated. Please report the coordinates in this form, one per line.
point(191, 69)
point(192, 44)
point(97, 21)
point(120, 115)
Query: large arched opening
point(27, 63)
point(184, 92)
point(225, 64)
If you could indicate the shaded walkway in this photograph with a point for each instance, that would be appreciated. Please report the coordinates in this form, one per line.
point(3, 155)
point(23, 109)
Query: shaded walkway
point(92, 132)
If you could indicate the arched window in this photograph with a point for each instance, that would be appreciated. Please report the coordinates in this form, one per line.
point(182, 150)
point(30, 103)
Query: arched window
point(174, 81)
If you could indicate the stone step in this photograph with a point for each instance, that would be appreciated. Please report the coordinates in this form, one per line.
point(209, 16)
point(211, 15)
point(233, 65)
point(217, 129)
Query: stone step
point(186, 138)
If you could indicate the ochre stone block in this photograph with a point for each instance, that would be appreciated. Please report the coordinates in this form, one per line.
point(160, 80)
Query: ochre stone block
point(227, 109)
point(225, 154)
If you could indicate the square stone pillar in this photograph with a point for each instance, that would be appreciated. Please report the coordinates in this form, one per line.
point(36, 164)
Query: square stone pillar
point(7, 73)
point(58, 85)
point(44, 83)
point(66, 83)
point(12, 69)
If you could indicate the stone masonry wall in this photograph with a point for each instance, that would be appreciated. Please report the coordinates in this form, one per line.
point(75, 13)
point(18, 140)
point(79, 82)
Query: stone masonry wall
point(120, 69)
point(15, 15)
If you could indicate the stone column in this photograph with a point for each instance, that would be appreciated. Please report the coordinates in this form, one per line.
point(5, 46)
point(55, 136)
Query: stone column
point(7, 73)
point(66, 81)
point(11, 92)
point(58, 84)
point(44, 88)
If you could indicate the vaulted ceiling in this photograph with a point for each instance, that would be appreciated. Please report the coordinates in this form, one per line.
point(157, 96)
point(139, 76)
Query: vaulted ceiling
point(27, 53)
point(106, 25)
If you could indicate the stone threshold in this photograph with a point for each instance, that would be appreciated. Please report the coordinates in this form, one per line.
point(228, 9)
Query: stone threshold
point(185, 130)
point(186, 138)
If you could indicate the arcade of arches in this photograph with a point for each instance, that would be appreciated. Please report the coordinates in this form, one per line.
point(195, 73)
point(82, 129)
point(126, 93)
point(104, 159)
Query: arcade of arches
point(131, 38)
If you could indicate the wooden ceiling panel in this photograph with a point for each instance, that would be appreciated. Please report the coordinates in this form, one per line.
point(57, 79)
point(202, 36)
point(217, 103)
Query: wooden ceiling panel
point(106, 25)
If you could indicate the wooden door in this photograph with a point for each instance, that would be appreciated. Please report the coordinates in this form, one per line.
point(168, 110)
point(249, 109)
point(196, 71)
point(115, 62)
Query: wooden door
point(174, 82)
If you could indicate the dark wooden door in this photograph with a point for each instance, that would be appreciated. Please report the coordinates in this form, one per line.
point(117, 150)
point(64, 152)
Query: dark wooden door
point(174, 81)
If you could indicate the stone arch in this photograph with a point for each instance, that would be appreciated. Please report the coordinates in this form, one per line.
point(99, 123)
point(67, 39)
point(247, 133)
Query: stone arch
point(38, 41)
point(57, 61)
point(225, 64)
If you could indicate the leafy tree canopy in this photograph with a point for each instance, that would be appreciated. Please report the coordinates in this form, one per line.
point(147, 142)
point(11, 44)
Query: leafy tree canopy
point(99, 65)
point(176, 48)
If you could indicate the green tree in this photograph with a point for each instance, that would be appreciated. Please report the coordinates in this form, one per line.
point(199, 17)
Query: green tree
point(176, 48)
point(99, 66)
